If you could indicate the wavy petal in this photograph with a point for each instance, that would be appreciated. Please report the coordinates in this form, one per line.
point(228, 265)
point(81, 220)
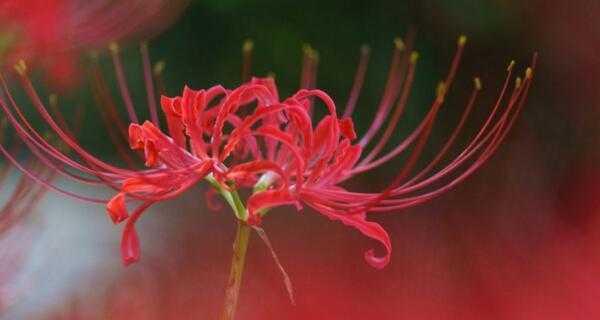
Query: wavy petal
point(268, 199)
point(370, 229)
point(117, 211)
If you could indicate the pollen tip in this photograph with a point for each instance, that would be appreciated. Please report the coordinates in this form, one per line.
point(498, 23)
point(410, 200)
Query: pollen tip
point(510, 65)
point(477, 82)
point(271, 75)
point(462, 40)
point(159, 66)
point(21, 67)
point(399, 44)
point(144, 44)
point(310, 52)
point(248, 45)
point(365, 49)
point(306, 48)
point(528, 73)
point(441, 91)
point(53, 99)
point(315, 55)
point(414, 56)
point(113, 47)
point(518, 82)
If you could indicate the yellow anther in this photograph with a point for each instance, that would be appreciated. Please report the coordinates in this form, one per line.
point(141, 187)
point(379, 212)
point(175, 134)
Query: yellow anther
point(113, 47)
point(477, 82)
point(53, 99)
point(510, 65)
point(365, 49)
point(21, 67)
point(441, 91)
point(248, 45)
point(306, 48)
point(528, 73)
point(462, 40)
point(399, 44)
point(518, 82)
point(159, 67)
point(414, 56)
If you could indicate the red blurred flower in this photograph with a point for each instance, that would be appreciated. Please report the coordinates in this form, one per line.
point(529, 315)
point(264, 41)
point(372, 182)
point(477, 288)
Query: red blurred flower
point(50, 32)
point(16, 240)
point(249, 138)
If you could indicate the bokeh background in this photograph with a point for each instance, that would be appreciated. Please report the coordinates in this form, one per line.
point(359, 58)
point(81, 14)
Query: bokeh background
point(518, 240)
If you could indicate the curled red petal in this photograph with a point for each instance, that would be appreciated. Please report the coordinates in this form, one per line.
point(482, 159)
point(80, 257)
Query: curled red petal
point(347, 128)
point(270, 84)
point(159, 146)
point(344, 161)
point(150, 153)
point(326, 138)
point(141, 185)
point(268, 199)
point(130, 245)
point(370, 229)
point(172, 110)
point(136, 140)
point(117, 211)
point(257, 166)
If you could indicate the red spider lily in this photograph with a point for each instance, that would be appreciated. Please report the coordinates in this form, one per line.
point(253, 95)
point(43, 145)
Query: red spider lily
point(249, 138)
point(55, 29)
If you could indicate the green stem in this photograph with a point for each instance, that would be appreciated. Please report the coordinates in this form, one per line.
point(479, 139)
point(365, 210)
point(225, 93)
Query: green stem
point(240, 245)
point(232, 292)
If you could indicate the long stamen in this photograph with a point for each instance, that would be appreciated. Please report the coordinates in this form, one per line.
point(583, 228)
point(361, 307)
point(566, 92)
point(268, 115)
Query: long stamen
point(417, 149)
point(492, 147)
point(37, 103)
point(104, 99)
point(453, 135)
point(390, 92)
point(114, 127)
point(157, 71)
point(46, 182)
point(413, 136)
point(399, 110)
point(60, 119)
point(247, 50)
point(149, 84)
point(309, 71)
point(122, 81)
point(359, 79)
point(497, 133)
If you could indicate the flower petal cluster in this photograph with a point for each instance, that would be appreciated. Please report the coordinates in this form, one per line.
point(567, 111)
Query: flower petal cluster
point(249, 138)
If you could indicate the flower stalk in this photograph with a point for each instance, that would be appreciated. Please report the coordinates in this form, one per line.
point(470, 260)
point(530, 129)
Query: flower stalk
point(232, 291)
point(240, 244)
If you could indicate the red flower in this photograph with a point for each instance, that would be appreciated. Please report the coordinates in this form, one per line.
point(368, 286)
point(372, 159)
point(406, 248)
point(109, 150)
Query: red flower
point(50, 32)
point(249, 138)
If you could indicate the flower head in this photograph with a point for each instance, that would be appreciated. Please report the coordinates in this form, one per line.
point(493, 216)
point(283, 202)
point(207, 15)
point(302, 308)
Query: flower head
point(250, 138)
